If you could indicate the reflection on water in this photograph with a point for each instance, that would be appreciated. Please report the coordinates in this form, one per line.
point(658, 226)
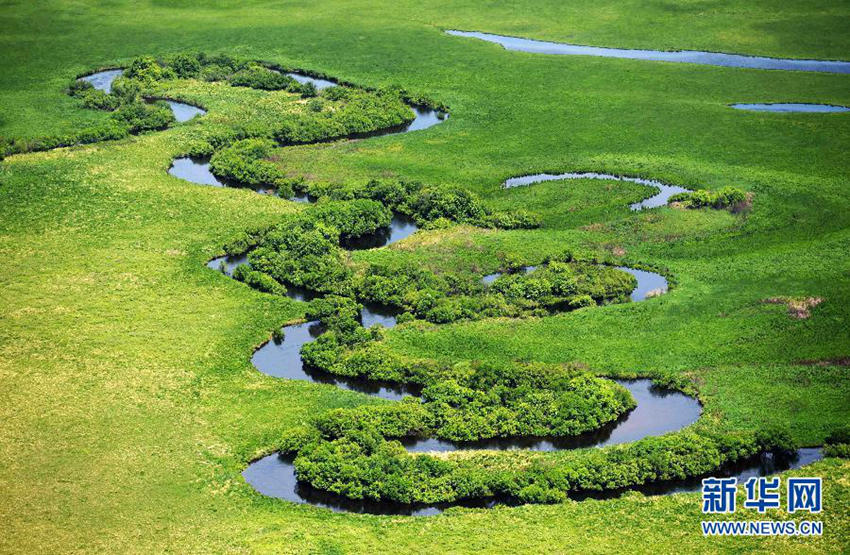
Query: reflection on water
point(195, 169)
point(765, 464)
point(274, 476)
point(646, 282)
point(400, 227)
point(490, 278)
point(227, 264)
point(282, 359)
point(374, 313)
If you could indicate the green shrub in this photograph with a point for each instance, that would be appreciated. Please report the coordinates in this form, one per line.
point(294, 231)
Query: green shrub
point(258, 280)
point(337, 93)
point(727, 197)
point(126, 90)
point(256, 76)
point(214, 72)
point(360, 464)
point(98, 100)
point(354, 218)
point(139, 116)
point(244, 163)
point(78, 87)
point(185, 66)
point(147, 70)
point(840, 435)
point(304, 253)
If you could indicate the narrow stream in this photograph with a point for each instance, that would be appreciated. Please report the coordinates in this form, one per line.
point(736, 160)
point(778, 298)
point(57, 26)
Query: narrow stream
point(659, 411)
point(400, 227)
point(318, 83)
point(182, 111)
point(196, 169)
point(678, 56)
point(659, 199)
point(102, 80)
point(791, 107)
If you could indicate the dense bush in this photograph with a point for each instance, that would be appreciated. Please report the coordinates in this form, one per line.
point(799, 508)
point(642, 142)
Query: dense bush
point(126, 90)
point(429, 205)
point(259, 77)
point(449, 298)
point(140, 116)
point(93, 98)
point(354, 218)
point(185, 66)
point(245, 163)
point(727, 197)
point(243, 242)
point(479, 401)
point(304, 252)
point(147, 70)
point(361, 463)
point(837, 443)
point(258, 280)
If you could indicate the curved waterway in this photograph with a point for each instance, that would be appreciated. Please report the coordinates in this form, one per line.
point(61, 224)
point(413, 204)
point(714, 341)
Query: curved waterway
point(274, 476)
point(182, 111)
point(282, 358)
point(102, 80)
point(659, 411)
point(791, 107)
point(676, 56)
point(317, 82)
point(196, 169)
point(649, 284)
point(659, 199)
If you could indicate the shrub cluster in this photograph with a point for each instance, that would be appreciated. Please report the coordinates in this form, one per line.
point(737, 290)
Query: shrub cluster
point(245, 163)
point(361, 463)
point(476, 401)
point(837, 443)
point(140, 116)
point(428, 205)
point(727, 197)
point(260, 77)
point(91, 97)
point(306, 252)
point(359, 111)
point(556, 286)
point(258, 280)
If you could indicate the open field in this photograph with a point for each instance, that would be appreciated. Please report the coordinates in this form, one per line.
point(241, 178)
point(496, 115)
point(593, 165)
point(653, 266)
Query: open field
point(129, 404)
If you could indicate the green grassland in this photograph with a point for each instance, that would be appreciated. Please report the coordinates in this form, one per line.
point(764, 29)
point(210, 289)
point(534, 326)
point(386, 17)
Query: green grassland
point(129, 405)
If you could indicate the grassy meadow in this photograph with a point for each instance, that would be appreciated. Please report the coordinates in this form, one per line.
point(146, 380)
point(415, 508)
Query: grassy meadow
point(129, 403)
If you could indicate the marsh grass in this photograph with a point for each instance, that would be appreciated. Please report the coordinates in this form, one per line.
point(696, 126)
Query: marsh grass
point(130, 402)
